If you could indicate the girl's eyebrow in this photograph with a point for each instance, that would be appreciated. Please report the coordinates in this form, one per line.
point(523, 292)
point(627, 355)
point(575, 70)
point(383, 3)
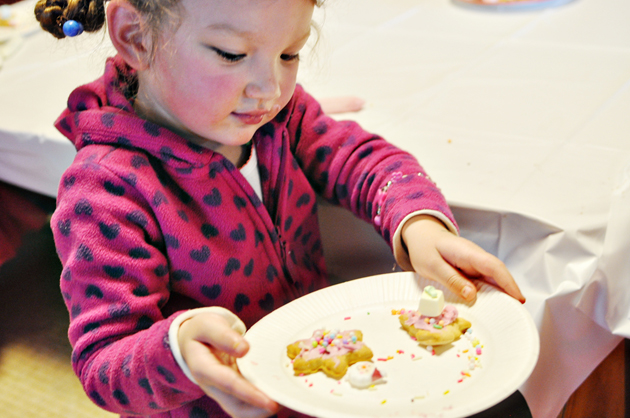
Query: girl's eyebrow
point(226, 27)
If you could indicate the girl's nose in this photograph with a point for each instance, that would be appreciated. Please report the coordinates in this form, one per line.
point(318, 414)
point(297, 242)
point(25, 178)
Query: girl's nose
point(265, 83)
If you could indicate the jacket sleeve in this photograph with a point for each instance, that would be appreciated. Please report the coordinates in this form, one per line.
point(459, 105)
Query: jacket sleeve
point(360, 171)
point(114, 282)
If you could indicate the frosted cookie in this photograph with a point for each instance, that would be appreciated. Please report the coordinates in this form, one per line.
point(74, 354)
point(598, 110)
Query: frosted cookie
point(331, 352)
point(364, 374)
point(433, 323)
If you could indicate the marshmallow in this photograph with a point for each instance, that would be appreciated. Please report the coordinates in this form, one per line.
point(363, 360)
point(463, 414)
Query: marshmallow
point(431, 302)
point(364, 374)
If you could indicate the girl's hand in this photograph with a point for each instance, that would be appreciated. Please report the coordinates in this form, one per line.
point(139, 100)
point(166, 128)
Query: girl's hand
point(438, 254)
point(210, 347)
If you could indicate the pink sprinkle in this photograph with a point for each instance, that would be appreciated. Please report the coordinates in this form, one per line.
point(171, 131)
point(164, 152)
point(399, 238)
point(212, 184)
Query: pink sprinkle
point(310, 385)
point(413, 356)
point(432, 352)
point(346, 318)
point(381, 359)
point(460, 380)
point(400, 351)
point(479, 351)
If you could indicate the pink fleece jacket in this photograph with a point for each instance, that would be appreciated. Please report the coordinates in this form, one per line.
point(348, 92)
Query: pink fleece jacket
point(149, 225)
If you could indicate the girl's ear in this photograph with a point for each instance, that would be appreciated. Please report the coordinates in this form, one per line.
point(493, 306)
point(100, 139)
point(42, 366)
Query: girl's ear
point(127, 32)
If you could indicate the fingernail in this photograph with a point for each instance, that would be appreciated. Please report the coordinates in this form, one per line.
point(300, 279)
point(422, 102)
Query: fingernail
point(238, 347)
point(467, 292)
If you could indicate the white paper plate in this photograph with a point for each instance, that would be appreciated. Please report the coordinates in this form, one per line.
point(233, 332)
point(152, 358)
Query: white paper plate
point(418, 383)
point(508, 5)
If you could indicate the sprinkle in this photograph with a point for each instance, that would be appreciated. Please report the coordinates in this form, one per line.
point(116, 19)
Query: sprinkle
point(460, 380)
point(465, 373)
point(382, 359)
point(394, 312)
point(400, 351)
point(478, 351)
point(447, 392)
point(384, 400)
point(346, 318)
point(436, 326)
point(390, 357)
point(311, 385)
point(430, 290)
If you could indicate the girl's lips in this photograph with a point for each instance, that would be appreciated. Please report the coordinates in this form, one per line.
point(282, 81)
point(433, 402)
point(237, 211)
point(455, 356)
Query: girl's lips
point(251, 118)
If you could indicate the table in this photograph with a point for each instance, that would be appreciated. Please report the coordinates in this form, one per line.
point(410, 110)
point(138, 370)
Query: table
point(520, 117)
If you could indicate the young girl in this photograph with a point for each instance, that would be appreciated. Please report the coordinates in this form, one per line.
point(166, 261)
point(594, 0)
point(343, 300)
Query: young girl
point(189, 211)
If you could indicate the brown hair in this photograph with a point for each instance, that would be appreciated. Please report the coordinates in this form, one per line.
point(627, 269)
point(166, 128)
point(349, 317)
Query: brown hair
point(52, 14)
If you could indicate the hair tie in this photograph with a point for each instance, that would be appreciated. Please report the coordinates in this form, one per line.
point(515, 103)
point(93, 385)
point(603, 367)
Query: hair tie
point(72, 28)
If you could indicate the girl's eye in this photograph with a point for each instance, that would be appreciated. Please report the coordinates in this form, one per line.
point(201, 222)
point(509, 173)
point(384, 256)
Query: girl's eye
point(290, 57)
point(227, 56)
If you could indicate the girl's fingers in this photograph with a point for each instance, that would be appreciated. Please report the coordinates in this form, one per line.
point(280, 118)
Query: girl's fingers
point(237, 408)
point(210, 373)
point(474, 262)
point(215, 331)
point(209, 346)
point(453, 279)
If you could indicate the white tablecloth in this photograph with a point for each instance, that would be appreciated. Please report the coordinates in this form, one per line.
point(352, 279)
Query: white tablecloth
point(520, 117)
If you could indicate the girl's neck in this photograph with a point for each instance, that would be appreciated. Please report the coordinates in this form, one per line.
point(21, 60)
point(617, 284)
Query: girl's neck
point(236, 154)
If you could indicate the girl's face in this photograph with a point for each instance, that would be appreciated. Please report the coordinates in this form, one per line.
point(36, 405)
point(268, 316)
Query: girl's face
point(229, 68)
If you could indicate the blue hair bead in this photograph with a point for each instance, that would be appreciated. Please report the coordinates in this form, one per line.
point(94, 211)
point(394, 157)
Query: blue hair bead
point(72, 28)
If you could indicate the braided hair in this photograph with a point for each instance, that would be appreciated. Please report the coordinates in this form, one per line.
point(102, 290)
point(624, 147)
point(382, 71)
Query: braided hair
point(52, 14)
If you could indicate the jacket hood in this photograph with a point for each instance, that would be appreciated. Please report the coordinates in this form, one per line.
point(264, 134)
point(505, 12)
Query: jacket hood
point(101, 112)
